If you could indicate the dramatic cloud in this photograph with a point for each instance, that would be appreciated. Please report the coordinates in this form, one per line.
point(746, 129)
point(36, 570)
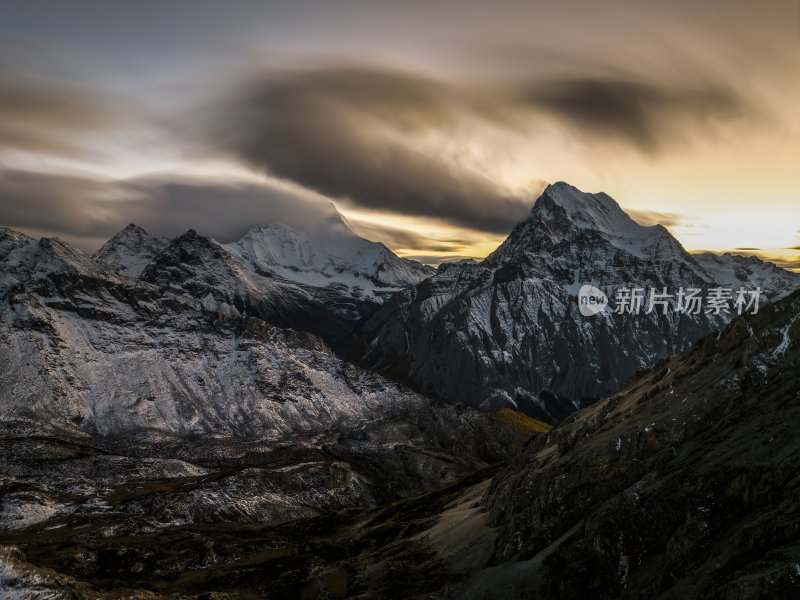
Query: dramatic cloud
point(47, 116)
point(87, 211)
point(223, 210)
point(401, 141)
point(360, 134)
point(679, 97)
point(643, 114)
point(57, 203)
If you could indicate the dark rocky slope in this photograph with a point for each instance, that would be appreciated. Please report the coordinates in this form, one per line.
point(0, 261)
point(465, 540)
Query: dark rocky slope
point(685, 485)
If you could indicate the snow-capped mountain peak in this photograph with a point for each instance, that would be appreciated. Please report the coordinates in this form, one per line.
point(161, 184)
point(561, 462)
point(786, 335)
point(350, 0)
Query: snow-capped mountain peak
point(25, 259)
point(130, 251)
point(564, 213)
point(735, 270)
point(599, 212)
point(273, 269)
point(12, 234)
point(327, 253)
point(10, 240)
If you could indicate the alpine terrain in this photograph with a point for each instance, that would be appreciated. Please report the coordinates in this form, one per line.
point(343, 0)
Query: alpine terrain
point(304, 414)
point(682, 485)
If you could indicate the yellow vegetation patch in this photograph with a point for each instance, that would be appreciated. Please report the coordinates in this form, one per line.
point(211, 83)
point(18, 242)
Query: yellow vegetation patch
point(520, 422)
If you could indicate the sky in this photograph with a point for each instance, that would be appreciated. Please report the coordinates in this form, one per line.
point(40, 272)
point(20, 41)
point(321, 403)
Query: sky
point(432, 126)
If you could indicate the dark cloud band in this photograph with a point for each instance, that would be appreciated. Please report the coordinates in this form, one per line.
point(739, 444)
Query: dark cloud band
point(640, 113)
point(359, 132)
point(84, 210)
point(356, 133)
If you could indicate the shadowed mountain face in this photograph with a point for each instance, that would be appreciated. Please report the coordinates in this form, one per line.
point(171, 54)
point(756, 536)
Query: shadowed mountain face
point(321, 281)
point(685, 484)
point(185, 350)
point(507, 331)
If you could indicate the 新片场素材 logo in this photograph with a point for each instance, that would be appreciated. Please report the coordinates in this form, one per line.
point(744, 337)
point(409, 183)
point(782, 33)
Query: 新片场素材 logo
point(591, 300)
point(692, 301)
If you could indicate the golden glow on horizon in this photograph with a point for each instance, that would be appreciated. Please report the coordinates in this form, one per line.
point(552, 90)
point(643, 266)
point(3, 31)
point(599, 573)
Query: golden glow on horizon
point(724, 233)
point(462, 242)
point(732, 200)
point(771, 231)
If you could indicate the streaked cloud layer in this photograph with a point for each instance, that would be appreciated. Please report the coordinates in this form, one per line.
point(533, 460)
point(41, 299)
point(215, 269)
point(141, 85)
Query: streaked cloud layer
point(89, 211)
point(50, 116)
point(434, 127)
point(379, 137)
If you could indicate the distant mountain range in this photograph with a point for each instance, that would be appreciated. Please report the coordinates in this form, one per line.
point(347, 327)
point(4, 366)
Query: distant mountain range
point(327, 263)
point(502, 332)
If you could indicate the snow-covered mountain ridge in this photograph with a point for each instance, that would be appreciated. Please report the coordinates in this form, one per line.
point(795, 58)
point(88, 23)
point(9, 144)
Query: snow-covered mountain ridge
point(505, 331)
point(327, 265)
point(85, 352)
point(327, 253)
point(149, 403)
